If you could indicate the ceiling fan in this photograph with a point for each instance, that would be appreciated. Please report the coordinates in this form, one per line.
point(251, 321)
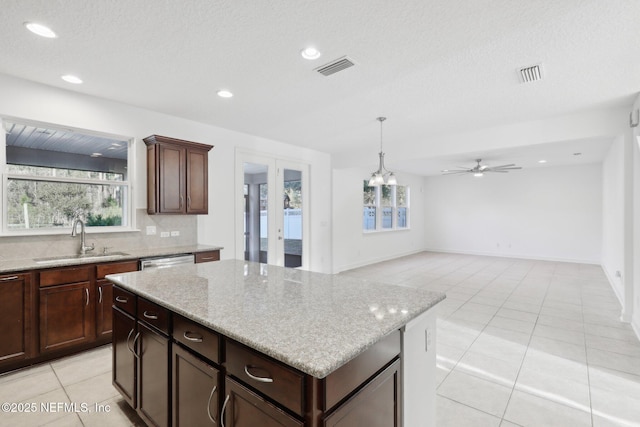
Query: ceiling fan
point(479, 170)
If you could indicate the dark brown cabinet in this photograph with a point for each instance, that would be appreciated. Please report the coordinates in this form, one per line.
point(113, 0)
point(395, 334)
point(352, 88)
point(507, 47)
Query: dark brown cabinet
point(207, 256)
point(67, 309)
point(153, 376)
point(15, 317)
point(376, 405)
point(104, 291)
point(245, 408)
point(124, 356)
point(177, 176)
point(196, 390)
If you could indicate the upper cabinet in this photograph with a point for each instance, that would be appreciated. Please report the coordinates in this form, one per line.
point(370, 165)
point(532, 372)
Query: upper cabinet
point(177, 173)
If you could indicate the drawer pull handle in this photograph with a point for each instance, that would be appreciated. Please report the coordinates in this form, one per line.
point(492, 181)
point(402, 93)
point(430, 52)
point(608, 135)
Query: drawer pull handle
point(213, 420)
point(100, 291)
point(206, 258)
point(134, 345)
point(151, 315)
point(224, 407)
point(6, 279)
point(253, 377)
point(193, 337)
point(86, 291)
point(122, 300)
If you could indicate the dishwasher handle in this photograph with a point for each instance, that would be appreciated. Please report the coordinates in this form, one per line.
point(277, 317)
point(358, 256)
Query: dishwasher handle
point(166, 262)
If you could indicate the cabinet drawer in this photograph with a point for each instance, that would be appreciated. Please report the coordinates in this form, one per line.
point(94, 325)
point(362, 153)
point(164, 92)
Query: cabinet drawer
point(197, 338)
point(115, 268)
point(349, 377)
point(153, 314)
point(275, 380)
point(124, 300)
point(61, 276)
point(207, 256)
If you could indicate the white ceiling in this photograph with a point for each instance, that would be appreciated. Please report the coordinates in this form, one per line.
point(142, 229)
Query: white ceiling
point(430, 66)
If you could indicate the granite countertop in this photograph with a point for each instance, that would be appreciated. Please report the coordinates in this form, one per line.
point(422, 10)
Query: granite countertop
point(313, 322)
point(15, 265)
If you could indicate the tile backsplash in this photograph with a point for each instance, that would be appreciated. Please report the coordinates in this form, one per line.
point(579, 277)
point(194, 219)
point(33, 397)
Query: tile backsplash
point(20, 247)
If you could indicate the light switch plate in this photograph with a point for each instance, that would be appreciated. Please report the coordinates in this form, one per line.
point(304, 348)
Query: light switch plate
point(151, 229)
point(164, 234)
point(175, 233)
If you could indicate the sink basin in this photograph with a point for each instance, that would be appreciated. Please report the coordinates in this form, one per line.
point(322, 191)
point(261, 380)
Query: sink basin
point(86, 257)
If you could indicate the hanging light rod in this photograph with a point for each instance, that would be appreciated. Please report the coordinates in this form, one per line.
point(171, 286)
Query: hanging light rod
point(382, 176)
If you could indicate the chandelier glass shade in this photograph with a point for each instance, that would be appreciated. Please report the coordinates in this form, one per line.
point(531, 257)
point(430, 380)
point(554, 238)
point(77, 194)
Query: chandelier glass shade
point(382, 176)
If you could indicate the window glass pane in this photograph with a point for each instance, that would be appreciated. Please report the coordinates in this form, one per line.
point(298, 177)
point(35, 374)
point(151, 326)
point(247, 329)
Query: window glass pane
point(369, 195)
point(45, 204)
point(264, 220)
point(387, 195)
point(387, 215)
point(402, 217)
point(369, 218)
point(401, 195)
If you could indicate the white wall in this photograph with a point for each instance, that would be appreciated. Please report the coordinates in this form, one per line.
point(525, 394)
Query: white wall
point(543, 213)
point(635, 285)
point(27, 100)
point(613, 215)
point(351, 247)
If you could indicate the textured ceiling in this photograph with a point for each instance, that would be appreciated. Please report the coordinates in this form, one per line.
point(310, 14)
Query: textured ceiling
point(432, 67)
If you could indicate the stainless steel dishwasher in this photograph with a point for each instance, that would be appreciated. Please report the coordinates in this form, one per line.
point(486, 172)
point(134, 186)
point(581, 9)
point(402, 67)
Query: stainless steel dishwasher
point(166, 261)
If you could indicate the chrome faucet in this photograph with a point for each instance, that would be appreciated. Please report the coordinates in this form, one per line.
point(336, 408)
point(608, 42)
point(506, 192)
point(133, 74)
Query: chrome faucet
point(83, 246)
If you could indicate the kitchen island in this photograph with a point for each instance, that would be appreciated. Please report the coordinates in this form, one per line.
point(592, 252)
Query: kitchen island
point(284, 345)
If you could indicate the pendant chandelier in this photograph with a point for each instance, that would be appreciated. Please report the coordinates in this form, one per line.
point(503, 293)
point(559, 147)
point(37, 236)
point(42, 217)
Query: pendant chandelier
point(382, 176)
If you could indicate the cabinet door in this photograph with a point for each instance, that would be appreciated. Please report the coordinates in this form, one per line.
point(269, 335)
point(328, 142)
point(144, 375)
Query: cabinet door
point(15, 317)
point(376, 405)
point(66, 316)
point(171, 179)
point(124, 358)
point(196, 390)
point(244, 408)
point(103, 309)
point(197, 186)
point(153, 376)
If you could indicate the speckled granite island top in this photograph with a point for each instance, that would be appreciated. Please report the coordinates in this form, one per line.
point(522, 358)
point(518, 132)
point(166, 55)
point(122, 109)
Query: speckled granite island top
point(313, 322)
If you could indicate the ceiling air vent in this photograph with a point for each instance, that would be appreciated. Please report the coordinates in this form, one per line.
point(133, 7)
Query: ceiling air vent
point(530, 74)
point(335, 66)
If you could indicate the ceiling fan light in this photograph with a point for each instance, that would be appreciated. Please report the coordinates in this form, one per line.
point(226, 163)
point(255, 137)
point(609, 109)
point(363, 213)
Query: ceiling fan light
point(478, 174)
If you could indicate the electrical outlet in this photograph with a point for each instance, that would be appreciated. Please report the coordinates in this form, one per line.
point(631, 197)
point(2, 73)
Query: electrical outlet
point(175, 233)
point(151, 229)
point(164, 234)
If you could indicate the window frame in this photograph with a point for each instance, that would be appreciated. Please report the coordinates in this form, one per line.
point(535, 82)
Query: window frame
point(394, 210)
point(128, 211)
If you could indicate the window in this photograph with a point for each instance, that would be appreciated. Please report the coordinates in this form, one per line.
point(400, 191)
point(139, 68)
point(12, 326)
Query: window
point(51, 175)
point(385, 207)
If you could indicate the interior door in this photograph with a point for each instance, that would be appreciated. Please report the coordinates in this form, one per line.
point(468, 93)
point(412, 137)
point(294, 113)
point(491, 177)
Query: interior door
point(272, 205)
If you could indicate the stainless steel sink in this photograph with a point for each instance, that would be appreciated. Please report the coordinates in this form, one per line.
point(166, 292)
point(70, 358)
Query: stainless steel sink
point(86, 257)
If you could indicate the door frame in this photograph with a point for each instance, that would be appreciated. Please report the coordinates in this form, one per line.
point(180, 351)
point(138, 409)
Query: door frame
point(275, 180)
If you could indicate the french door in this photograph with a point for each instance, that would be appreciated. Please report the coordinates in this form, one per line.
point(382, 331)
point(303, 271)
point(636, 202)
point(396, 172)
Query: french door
point(272, 210)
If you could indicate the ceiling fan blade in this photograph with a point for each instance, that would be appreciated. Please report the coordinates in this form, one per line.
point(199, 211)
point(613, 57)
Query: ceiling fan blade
point(508, 168)
point(455, 172)
point(496, 170)
point(503, 166)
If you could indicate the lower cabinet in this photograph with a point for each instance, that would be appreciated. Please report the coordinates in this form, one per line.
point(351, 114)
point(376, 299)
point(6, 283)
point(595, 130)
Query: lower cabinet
point(124, 356)
point(15, 317)
point(153, 376)
point(376, 405)
point(103, 309)
point(196, 390)
point(244, 408)
point(66, 316)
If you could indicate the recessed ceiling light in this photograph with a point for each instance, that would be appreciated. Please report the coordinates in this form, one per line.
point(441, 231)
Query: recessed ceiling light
point(40, 30)
point(577, 154)
point(310, 53)
point(542, 161)
point(72, 79)
point(224, 94)
point(96, 154)
point(444, 170)
point(479, 174)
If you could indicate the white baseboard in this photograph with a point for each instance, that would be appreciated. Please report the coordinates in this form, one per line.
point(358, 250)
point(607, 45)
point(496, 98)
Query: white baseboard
point(374, 260)
point(516, 256)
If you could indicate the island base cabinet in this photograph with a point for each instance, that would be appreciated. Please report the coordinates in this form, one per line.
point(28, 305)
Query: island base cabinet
point(244, 408)
point(196, 390)
point(124, 358)
point(154, 378)
point(378, 404)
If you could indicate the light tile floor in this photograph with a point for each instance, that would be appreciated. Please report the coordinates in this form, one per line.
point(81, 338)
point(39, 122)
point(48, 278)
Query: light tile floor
point(519, 343)
point(525, 342)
